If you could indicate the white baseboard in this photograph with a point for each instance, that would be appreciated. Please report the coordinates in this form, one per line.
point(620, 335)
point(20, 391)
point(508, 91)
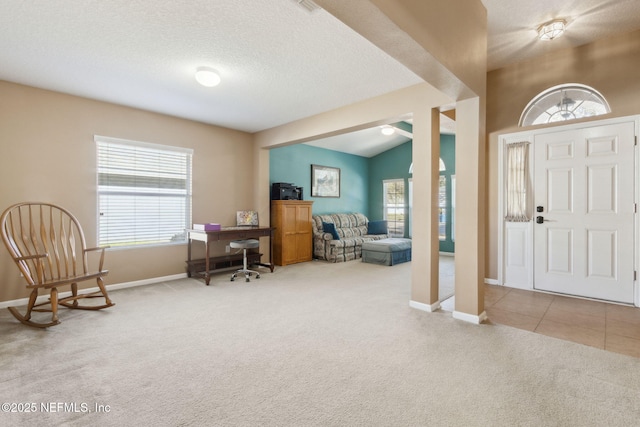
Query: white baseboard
point(45, 297)
point(491, 281)
point(470, 317)
point(143, 282)
point(425, 307)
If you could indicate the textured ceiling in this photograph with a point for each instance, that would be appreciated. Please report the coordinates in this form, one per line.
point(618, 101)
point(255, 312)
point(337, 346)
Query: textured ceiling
point(278, 62)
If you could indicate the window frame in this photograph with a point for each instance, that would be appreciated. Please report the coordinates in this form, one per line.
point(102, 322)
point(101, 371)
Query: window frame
point(185, 172)
point(442, 207)
point(410, 222)
point(543, 109)
point(385, 208)
point(453, 207)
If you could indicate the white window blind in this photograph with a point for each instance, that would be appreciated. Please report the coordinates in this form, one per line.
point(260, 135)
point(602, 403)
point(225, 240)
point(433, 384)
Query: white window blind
point(144, 192)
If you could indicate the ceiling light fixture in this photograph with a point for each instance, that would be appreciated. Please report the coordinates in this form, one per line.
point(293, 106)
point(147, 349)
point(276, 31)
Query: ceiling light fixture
point(387, 130)
point(552, 29)
point(565, 107)
point(207, 76)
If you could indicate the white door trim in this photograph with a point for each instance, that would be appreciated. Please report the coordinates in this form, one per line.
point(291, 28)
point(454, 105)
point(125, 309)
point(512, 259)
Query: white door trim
point(520, 275)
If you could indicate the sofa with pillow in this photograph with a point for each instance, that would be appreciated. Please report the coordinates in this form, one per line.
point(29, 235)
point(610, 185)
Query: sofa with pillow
point(339, 237)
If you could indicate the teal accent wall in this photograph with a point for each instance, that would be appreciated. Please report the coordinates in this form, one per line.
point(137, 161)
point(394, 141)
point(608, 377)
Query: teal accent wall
point(392, 164)
point(292, 164)
point(360, 178)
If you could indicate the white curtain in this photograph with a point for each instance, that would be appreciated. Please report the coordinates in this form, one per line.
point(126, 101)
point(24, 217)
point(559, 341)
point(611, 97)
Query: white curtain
point(518, 182)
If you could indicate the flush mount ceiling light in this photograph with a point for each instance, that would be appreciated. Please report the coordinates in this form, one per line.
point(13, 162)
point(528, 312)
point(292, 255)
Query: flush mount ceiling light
point(552, 29)
point(387, 130)
point(207, 76)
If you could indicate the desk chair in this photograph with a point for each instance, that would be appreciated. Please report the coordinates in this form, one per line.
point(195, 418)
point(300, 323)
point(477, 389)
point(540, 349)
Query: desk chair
point(244, 245)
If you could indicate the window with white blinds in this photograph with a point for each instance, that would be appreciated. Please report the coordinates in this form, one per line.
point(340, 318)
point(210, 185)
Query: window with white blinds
point(144, 193)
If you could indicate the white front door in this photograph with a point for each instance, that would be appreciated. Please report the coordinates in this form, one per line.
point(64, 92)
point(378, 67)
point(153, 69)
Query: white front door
point(584, 212)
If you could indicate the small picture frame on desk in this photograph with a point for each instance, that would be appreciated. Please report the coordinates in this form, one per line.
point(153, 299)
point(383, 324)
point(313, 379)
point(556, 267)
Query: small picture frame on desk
point(247, 218)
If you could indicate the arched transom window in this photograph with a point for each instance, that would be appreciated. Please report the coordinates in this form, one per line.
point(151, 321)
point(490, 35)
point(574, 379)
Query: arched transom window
point(564, 102)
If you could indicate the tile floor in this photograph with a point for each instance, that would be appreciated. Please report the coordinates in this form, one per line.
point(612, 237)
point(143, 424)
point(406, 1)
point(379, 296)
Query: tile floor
point(603, 325)
point(607, 326)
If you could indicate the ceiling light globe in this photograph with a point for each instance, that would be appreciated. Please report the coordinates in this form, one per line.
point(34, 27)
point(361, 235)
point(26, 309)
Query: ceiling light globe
point(387, 130)
point(207, 77)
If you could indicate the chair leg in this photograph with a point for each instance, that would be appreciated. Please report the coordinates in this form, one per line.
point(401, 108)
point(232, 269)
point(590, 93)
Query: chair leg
point(245, 269)
point(104, 292)
point(54, 305)
point(32, 302)
point(74, 293)
point(244, 265)
point(26, 319)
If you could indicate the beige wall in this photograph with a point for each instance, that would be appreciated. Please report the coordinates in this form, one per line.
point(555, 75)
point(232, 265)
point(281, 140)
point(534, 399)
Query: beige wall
point(609, 66)
point(380, 110)
point(48, 154)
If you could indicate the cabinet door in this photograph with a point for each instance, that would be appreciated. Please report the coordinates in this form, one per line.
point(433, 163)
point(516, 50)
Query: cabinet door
point(289, 231)
point(304, 239)
point(304, 246)
point(289, 219)
point(289, 251)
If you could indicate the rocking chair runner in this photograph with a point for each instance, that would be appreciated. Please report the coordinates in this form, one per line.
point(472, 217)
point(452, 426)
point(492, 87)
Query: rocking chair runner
point(48, 246)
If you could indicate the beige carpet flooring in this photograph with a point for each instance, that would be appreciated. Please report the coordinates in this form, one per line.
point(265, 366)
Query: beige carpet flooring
point(446, 285)
point(312, 344)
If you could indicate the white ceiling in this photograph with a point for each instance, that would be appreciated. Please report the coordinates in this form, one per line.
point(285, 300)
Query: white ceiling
point(371, 142)
point(278, 62)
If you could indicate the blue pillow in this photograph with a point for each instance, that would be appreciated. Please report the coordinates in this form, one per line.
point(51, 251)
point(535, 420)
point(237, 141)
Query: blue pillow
point(329, 227)
point(377, 227)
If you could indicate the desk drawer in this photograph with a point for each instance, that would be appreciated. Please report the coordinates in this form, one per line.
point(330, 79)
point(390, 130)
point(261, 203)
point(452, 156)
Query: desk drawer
point(241, 235)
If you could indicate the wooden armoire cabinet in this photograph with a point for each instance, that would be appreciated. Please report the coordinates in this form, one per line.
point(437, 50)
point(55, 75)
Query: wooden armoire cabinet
point(293, 236)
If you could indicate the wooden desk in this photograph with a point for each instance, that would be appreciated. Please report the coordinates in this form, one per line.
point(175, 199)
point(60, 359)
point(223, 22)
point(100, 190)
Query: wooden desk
point(227, 233)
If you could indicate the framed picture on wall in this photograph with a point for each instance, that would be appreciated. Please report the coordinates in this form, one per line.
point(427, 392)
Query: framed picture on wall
point(325, 181)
